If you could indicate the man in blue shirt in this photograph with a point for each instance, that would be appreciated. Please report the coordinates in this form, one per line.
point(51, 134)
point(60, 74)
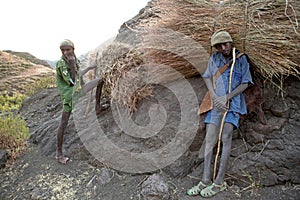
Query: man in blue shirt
point(221, 97)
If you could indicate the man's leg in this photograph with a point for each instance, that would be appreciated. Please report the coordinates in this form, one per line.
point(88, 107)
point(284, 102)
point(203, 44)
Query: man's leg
point(210, 141)
point(60, 133)
point(98, 108)
point(226, 149)
point(218, 185)
point(90, 85)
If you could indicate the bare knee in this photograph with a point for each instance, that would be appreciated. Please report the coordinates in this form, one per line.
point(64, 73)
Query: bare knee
point(227, 133)
point(211, 134)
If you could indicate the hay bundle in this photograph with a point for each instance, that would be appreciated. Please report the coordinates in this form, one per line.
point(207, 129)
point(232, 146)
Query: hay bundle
point(268, 31)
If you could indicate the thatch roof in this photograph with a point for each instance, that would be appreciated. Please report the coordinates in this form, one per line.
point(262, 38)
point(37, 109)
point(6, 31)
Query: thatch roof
point(174, 36)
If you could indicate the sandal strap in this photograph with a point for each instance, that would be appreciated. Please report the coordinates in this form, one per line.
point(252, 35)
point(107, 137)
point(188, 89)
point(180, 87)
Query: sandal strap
point(195, 190)
point(220, 186)
point(202, 184)
point(209, 192)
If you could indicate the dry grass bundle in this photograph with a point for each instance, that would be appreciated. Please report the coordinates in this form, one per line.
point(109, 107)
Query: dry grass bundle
point(122, 75)
point(267, 30)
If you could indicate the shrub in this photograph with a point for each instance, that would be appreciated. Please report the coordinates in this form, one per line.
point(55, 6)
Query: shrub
point(43, 83)
point(13, 133)
point(13, 130)
point(9, 102)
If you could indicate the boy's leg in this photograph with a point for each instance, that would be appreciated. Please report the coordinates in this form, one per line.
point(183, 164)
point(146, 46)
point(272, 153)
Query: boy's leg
point(210, 141)
point(90, 85)
point(60, 132)
point(98, 96)
point(226, 150)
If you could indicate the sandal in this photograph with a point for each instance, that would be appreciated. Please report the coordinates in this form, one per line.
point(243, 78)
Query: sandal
point(213, 189)
point(196, 189)
point(62, 159)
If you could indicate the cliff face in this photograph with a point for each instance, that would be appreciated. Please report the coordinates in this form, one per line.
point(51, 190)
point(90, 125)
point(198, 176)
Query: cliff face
point(165, 132)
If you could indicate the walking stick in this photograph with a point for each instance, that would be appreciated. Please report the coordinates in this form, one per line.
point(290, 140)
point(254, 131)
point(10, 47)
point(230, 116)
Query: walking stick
point(225, 113)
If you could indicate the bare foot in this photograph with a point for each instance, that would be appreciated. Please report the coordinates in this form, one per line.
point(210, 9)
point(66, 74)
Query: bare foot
point(101, 109)
point(62, 159)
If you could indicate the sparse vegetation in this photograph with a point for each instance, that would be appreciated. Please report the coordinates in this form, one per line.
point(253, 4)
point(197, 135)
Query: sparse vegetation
point(13, 133)
point(43, 83)
point(254, 185)
point(28, 57)
point(13, 130)
point(11, 101)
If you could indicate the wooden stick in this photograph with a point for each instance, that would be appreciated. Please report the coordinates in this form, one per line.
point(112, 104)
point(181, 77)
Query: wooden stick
point(224, 115)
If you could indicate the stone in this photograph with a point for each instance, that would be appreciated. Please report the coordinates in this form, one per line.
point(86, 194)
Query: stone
point(155, 188)
point(3, 158)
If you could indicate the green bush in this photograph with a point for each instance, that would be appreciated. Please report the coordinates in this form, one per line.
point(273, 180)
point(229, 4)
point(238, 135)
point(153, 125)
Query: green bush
point(10, 102)
point(13, 130)
point(43, 83)
point(13, 133)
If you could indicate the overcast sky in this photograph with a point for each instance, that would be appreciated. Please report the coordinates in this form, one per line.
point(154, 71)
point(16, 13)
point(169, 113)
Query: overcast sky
point(38, 26)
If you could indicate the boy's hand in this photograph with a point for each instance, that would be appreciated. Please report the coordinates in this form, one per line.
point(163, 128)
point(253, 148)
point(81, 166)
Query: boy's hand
point(220, 103)
point(70, 58)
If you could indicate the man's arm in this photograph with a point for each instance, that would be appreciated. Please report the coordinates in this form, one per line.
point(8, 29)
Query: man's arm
point(219, 102)
point(84, 71)
point(71, 60)
point(210, 88)
point(237, 91)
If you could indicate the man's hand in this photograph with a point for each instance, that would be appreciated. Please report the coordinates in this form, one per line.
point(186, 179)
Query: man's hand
point(220, 103)
point(71, 59)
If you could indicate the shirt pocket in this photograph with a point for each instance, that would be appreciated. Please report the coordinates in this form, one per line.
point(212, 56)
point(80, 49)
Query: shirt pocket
point(236, 79)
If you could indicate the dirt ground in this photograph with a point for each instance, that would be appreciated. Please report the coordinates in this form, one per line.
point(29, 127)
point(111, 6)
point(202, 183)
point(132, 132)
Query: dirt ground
point(37, 176)
point(34, 176)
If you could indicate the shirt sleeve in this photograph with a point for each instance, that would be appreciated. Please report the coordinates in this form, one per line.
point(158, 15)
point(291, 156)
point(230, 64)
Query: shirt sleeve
point(210, 69)
point(64, 71)
point(246, 74)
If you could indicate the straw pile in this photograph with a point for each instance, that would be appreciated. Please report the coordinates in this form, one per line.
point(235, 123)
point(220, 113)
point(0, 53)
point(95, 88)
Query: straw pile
point(268, 31)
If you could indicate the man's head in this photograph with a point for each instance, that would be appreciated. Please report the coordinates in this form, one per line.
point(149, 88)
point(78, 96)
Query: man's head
point(67, 47)
point(222, 41)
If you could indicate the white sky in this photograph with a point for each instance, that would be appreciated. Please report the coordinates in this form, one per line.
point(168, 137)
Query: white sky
point(38, 26)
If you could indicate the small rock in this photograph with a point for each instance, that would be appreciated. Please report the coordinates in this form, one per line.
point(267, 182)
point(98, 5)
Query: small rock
point(3, 158)
point(105, 176)
point(155, 188)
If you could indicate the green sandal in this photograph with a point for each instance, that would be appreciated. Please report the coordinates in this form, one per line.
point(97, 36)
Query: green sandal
point(196, 189)
point(213, 189)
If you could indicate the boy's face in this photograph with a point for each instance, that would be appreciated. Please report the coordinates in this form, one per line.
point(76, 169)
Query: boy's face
point(224, 48)
point(67, 51)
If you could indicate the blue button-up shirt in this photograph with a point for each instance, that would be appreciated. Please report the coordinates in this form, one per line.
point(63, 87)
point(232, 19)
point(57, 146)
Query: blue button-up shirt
point(241, 74)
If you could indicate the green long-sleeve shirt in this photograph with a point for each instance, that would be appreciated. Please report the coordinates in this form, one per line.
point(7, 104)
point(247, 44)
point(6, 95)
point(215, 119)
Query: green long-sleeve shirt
point(63, 77)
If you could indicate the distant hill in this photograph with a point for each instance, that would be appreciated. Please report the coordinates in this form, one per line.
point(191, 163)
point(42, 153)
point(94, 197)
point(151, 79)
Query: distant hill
point(28, 57)
point(52, 63)
point(18, 69)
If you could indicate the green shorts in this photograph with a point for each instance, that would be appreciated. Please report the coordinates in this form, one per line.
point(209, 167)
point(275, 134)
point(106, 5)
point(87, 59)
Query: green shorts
point(66, 97)
point(67, 104)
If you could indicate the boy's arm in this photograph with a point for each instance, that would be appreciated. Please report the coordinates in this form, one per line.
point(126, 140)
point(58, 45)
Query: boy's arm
point(237, 90)
point(64, 72)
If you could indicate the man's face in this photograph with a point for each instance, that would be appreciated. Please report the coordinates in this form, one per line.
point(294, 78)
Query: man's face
point(224, 48)
point(67, 50)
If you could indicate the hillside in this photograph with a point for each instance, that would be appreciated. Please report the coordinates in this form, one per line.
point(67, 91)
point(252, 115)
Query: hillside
point(27, 56)
point(153, 151)
point(18, 69)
